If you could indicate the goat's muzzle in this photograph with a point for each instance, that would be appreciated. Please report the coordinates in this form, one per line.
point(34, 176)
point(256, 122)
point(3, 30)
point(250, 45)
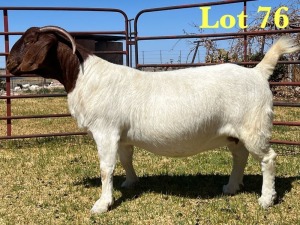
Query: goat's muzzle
point(12, 66)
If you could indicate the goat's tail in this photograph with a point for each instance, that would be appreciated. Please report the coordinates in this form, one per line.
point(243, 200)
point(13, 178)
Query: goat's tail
point(282, 46)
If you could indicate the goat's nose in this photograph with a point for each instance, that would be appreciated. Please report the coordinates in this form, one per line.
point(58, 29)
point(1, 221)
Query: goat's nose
point(8, 61)
point(10, 64)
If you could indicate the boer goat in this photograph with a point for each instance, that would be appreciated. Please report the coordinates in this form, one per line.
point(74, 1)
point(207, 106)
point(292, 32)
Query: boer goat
point(176, 113)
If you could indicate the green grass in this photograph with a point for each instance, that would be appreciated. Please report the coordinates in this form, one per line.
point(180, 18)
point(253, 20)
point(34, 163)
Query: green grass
point(57, 180)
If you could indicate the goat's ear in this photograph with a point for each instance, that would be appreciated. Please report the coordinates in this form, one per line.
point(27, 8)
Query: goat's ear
point(37, 51)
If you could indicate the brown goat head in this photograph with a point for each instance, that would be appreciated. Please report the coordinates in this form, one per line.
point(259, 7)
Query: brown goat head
point(49, 52)
point(29, 52)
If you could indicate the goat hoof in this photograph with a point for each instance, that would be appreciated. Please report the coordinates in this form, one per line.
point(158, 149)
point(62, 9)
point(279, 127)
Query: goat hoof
point(129, 184)
point(100, 206)
point(266, 202)
point(231, 190)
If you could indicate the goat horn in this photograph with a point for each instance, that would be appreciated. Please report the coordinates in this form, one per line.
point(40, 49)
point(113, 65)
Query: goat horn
point(62, 31)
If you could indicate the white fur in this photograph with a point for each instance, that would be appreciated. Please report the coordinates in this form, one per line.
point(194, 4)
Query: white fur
point(178, 113)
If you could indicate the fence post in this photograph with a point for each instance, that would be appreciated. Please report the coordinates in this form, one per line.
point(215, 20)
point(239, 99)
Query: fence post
point(8, 100)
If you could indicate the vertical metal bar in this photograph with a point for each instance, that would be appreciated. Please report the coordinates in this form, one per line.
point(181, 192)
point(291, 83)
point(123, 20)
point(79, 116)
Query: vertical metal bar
point(8, 101)
point(245, 30)
point(130, 39)
point(127, 41)
point(136, 47)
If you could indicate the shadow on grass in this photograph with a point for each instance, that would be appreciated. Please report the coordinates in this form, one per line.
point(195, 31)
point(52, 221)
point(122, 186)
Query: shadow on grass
point(189, 186)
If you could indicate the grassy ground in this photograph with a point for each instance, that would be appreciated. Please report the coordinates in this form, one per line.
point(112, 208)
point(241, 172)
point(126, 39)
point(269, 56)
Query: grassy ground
point(57, 180)
point(38, 107)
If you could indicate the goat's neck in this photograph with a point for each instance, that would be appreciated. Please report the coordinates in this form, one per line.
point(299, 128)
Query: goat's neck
point(69, 65)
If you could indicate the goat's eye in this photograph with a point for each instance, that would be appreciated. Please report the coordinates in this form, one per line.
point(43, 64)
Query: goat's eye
point(28, 42)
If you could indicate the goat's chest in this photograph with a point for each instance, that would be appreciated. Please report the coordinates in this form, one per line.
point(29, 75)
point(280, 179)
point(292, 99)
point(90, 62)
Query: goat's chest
point(82, 108)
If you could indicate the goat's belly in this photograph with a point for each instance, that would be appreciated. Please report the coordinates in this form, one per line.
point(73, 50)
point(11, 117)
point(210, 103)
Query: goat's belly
point(181, 148)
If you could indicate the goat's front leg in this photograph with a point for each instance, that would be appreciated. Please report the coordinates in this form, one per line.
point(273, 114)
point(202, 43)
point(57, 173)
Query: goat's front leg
point(107, 150)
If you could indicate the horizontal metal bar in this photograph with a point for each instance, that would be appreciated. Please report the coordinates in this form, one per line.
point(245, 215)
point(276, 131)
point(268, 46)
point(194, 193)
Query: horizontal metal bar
point(22, 76)
point(62, 9)
point(258, 33)
point(256, 62)
point(109, 52)
point(209, 64)
point(34, 116)
point(32, 96)
point(284, 142)
point(41, 135)
point(285, 83)
point(82, 33)
point(282, 123)
point(74, 33)
point(286, 104)
point(96, 52)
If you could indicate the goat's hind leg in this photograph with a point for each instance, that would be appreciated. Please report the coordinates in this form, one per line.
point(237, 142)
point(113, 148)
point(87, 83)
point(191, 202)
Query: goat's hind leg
point(266, 156)
point(268, 193)
point(240, 155)
point(125, 154)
